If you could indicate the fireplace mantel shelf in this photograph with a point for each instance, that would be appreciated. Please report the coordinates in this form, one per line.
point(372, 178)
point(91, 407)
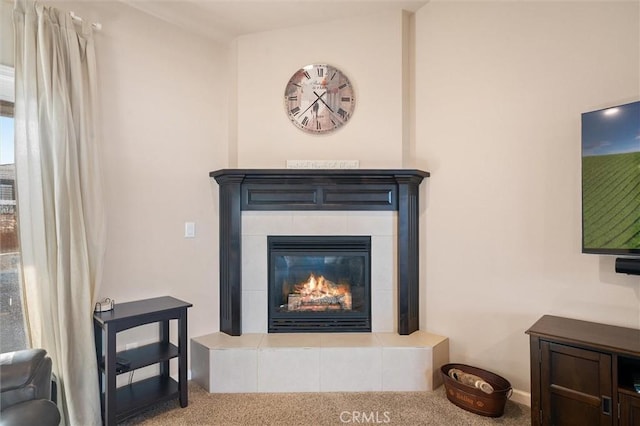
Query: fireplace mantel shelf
point(305, 173)
point(318, 189)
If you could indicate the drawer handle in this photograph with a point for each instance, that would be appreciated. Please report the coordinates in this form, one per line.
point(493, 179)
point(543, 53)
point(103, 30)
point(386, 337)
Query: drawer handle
point(606, 405)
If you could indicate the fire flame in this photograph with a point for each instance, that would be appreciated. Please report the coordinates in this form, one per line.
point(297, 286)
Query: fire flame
point(318, 293)
point(320, 287)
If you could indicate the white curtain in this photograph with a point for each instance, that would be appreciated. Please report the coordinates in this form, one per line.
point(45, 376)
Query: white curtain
point(60, 206)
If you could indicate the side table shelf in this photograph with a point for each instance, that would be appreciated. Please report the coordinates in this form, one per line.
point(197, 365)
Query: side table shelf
point(133, 398)
point(126, 401)
point(146, 355)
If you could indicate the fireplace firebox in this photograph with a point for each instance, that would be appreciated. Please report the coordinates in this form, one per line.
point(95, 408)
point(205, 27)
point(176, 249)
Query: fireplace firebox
point(319, 284)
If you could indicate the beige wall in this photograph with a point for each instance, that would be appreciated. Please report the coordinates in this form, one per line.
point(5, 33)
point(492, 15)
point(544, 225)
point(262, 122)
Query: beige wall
point(165, 118)
point(164, 112)
point(499, 88)
point(368, 50)
point(499, 91)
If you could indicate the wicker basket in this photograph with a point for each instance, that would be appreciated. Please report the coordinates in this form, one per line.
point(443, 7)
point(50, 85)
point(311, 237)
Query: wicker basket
point(473, 399)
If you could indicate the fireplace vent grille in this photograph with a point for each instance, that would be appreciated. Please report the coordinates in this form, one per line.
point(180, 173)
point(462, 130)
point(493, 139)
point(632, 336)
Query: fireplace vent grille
point(338, 243)
point(320, 324)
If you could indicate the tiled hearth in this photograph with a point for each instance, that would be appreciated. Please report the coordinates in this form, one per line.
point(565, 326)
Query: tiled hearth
point(318, 362)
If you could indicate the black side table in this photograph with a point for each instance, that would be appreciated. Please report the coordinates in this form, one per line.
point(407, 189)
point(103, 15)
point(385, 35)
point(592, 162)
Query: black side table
point(126, 401)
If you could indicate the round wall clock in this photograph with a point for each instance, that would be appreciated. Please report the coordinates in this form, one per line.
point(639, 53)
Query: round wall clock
point(319, 98)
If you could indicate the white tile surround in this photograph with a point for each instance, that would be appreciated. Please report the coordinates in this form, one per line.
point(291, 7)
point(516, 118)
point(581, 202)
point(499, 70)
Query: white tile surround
point(381, 226)
point(258, 361)
point(318, 362)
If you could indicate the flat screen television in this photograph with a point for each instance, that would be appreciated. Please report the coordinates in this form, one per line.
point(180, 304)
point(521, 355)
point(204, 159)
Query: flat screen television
point(611, 180)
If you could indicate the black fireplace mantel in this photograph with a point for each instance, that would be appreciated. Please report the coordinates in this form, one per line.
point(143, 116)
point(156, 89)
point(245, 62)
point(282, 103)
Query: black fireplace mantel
point(318, 189)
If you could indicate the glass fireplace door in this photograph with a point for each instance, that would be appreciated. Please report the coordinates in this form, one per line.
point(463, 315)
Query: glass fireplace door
point(319, 283)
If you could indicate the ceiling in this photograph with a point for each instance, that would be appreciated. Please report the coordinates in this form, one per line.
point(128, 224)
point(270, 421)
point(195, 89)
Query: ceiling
point(224, 20)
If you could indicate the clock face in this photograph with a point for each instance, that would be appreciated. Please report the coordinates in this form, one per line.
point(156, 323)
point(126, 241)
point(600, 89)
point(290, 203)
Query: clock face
point(319, 98)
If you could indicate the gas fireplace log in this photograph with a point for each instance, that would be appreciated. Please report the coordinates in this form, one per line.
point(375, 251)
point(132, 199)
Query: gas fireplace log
point(297, 302)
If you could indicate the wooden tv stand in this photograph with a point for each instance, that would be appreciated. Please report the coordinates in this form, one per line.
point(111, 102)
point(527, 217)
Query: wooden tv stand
point(582, 373)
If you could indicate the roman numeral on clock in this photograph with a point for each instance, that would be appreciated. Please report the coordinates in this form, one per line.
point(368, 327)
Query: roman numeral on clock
point(292, 98)
point(306, 74)
point(295, 111)
point(342, 113)
point(345, 99)
point(320, 72)
point(305, 121)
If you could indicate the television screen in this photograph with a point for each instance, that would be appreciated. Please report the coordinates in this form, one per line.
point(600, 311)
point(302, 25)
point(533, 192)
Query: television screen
point(611, 180)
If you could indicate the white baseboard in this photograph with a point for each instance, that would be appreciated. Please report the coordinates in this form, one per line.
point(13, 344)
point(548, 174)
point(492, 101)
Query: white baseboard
point(521, 397)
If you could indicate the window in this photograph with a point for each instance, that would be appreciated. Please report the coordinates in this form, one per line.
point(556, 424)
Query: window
point(12, 322)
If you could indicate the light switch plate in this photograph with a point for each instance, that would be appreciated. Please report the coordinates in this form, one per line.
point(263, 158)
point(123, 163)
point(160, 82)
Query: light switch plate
point(189, 229)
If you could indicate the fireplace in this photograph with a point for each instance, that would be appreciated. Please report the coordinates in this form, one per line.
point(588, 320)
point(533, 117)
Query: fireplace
point(329, 190)
point(319, 284)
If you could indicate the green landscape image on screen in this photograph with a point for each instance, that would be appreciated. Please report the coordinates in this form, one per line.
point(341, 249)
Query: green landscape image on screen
point(611, 201)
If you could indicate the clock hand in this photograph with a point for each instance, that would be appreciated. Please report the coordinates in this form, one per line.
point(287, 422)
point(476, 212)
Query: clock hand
point(322, 100)
point(339, 116)
point(313, 103)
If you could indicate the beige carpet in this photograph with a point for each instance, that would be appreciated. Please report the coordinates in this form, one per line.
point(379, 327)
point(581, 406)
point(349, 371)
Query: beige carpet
point(320, 409)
